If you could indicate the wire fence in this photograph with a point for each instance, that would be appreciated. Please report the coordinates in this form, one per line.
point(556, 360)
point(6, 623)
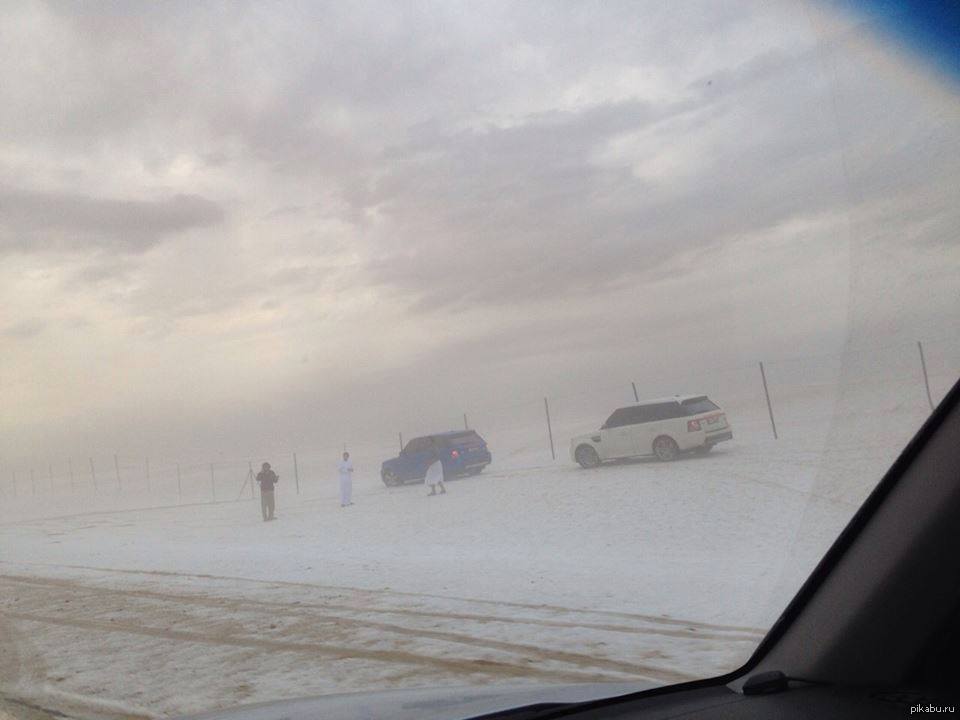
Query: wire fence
point(765, 401)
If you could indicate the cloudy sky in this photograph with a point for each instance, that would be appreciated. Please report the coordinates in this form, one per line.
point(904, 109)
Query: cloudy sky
point(230, 225)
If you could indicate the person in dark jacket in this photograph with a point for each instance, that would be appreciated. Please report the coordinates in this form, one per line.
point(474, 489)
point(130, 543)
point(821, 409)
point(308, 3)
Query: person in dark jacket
point(267, 478)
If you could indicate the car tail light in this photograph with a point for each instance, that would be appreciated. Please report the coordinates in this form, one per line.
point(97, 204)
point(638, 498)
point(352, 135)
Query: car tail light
point(693, 425)
point(454, 454)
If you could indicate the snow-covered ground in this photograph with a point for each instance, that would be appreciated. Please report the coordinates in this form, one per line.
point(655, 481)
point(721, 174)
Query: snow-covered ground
point(535, 571)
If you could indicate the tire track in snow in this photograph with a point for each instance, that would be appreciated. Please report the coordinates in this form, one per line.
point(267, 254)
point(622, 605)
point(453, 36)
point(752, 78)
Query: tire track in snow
point(586, 668)
point(322, 610)
point(335, 652)
point(758, 633)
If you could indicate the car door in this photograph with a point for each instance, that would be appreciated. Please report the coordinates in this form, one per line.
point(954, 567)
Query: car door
point(660, 420)
point(417, 455)
point(618, 433)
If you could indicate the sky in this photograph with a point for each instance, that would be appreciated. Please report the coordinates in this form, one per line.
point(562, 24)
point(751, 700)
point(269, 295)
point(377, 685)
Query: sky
point(244, 226)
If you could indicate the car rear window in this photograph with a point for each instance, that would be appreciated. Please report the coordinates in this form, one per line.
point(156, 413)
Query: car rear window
point(464, 439)
point(695, 406)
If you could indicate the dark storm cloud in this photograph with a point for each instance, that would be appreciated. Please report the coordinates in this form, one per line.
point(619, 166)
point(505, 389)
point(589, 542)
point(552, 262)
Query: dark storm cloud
point(43, 221)
point(506, 215)
point(499, 215)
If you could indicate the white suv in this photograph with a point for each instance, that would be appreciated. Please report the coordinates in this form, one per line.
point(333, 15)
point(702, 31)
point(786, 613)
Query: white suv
point(664, 427)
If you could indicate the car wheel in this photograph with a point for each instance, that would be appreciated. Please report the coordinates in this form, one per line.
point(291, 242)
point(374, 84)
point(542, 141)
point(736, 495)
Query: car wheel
point(390, 478)
point(474, 471)
point(666, 448)
point(703, 449)
point(587, 456)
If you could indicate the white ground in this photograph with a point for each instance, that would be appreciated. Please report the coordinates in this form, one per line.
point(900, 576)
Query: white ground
point(536, 571)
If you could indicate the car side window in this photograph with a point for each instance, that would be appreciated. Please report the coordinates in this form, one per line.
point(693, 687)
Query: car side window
point(699, 405)
point(629, 416)
point(665, 411)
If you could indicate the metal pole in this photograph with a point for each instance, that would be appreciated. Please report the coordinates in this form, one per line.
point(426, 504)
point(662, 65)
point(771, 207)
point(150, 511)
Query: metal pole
point(401, 442)
point(926, 380)
point(466, 426)
point(251, 479)
point(50, 471)
point(766, 393)
point(213, 484)
point(14, 483)
point(179, 486)
point(93, 474)
point(296, 472)
point(546, 407)
point(33, 483)
point(70, 465)
point(636, 398)
point(148, 474)
point(116, 466)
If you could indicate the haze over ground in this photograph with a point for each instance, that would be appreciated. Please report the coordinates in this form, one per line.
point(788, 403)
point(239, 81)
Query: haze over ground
point(227, 227)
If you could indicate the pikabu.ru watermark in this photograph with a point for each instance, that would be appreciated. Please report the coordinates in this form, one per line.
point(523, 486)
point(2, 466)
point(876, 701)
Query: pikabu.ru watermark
point(931, 708)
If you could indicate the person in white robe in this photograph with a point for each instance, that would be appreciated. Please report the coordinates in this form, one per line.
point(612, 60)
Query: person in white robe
point(345, 470)
point(434, 477)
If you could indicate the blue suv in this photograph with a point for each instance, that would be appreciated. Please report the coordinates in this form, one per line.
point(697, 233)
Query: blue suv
point(463, 452)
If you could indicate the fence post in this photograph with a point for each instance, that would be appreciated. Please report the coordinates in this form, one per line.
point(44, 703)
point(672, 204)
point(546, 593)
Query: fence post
point(179, 486)
point(116, 466)
point(766, 393)
point(926, 380)
point(70, 465)
point(296, 472)
point(213, 484)
point(636, 398)
point(93, 474)
point(546, 407)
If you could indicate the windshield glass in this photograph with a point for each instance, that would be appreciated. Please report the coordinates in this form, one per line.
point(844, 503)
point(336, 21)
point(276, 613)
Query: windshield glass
point(307, 234)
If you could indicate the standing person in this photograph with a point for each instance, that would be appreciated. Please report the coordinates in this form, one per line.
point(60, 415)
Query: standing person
point(267, 478)
point(345, 468)
point(434, 477)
